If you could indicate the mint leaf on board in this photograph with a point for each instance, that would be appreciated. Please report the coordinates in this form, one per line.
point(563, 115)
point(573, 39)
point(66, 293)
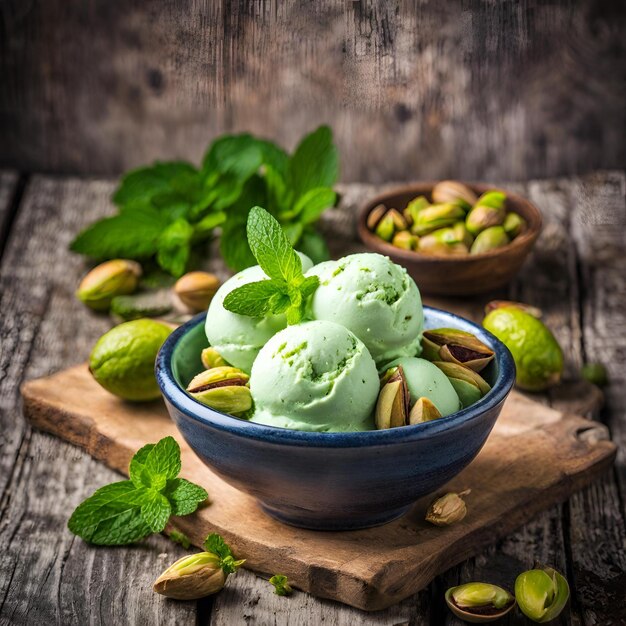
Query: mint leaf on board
point(271, 248)
point(129, 510)
point(132, 235)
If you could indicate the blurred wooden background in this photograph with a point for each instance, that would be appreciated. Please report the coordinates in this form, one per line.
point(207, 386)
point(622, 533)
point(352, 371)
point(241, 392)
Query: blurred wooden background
point(465, 88)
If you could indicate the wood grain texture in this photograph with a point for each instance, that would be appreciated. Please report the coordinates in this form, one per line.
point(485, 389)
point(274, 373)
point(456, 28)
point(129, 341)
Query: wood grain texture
point(413, 90)
point(532, 459)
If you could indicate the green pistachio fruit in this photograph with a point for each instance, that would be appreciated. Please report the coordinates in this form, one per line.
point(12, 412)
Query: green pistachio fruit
point(541, 594)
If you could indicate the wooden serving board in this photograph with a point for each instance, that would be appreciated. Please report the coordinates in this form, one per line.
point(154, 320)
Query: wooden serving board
point(536, 456)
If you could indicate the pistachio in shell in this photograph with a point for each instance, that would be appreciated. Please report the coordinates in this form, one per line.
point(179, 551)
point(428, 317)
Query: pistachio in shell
point(468, 384)
point(413, 208)
point(392, 407)
point(105, 281)
point(478, 602)
point(462, 235)
point(493, 198)
point(375, 215)
point(451, 191)
point(541, 594)
point(507, 304)
point(423, 411)
point(435, 217)
point(192, 577)
point(405, 240)
point(211, 358)
point(196, 290)
point(482, 217)
point(514, 224)
point(386, 227)
point(222, 388)
point(490, 239)
point(447, 509)
point(456, 346)
point(444, 241)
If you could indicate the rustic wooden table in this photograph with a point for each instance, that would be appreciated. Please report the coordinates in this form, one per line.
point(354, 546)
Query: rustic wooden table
point(577, 274)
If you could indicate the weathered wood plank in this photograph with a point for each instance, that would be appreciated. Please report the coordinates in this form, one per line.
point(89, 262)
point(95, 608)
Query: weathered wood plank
point(412, 91)
point(46, 574)
point(8, 184)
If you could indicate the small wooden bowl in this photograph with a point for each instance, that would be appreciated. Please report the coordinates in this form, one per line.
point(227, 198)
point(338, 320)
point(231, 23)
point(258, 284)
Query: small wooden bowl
point(455, 275)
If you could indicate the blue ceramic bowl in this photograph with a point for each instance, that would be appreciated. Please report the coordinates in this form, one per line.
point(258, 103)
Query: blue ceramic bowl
point(331, 481)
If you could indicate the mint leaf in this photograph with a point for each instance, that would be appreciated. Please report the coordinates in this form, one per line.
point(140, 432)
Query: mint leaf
point(314, 163)
point(281, 585)
point(252, 299)
point(271, 247)
point(234, 245)
point(204, 228)
point(163, 458)
point(215, 544)
point(174, 247)
point(185, 497)
point(239, 155)
point(155, 510)
point(313, 203)
point(111, 516)
point(133, 235)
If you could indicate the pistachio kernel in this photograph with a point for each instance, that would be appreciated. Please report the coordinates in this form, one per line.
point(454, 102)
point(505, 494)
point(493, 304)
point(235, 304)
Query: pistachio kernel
point(423, 411)
point(541, 594)
point(479, 602)
point(447, 509)
point(211, 358)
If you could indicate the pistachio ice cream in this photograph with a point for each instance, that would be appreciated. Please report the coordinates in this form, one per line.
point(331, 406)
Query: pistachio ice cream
point(315, 376)
point(238, 338)
point(375, 299)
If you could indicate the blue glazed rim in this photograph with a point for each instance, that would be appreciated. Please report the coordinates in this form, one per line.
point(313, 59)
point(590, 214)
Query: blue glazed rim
point(203, 414)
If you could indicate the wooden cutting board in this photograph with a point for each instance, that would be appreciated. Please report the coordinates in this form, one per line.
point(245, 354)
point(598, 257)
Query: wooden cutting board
point(536, 456)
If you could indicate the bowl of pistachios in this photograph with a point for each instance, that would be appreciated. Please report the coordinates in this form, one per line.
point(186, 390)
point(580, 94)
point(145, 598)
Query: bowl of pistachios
point(454, 238)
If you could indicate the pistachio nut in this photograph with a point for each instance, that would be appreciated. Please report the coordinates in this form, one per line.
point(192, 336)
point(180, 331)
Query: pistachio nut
point(375, 215)
point(541, 594)
point(113, 278)
point(413, 208)
point(444, 241)
point(492, 198)
point(435, 217)
point(455, 193)
point(489, 239)
point(405, 240)
point(386, 227)
point(462, 235)
point(423, 411)
point(222, 388)
point(482, 217)
point(469, 386)
point(192, 577)
point(479, 602)
point(448, 509)
point(392, 407)
point(514, 224)
point(507, 304)
point(196, 290)
point(211, 358)
point(456, 346)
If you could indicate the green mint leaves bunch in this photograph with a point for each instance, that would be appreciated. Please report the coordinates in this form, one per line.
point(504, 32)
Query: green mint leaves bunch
point(216, 545)
point(167, 211)
point(129, 510)
point(287, 289)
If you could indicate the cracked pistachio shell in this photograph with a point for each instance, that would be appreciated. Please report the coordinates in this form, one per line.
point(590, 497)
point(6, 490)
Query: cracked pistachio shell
point(455, 193)
point(232, 399)
point(196, 290)
point(211, 358)
point(541, 594)
point(386, 227)
point(216, 375)
point(454, 371)
point(456, 346)
point(489, 239)
point(479, 603)
point(399, 222)
point(192, 577)
point(393, 400)
point(448, 509)
point(375, 215)
point(107, 280)
point(482, 217)
point(405, 240)
point(514, 224)
point(423, 411)
point(435, 217)
point(414, 207)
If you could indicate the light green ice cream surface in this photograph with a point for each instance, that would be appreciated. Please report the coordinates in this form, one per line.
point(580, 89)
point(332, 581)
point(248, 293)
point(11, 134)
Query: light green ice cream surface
point(426, 380)
point(238, 338)
point(315, 376)
point(374, 298)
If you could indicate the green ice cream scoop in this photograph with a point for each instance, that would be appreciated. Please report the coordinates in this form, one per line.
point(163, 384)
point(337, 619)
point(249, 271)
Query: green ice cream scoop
point(426, 380)
point(238, 338)
point(316, 376)
point(537, 354)
point(374, 298)
point(122, 360)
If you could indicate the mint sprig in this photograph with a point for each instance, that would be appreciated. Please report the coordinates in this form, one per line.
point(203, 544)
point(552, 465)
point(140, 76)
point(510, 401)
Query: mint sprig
point(129, 510)
point(287, 289)
point(281, 585)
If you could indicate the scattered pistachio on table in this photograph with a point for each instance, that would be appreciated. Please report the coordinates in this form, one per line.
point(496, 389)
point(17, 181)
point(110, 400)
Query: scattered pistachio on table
point(455, 222)
point(479, 602)
point(107, 280)
point(541, 594)
point(448, 509)
point(196, 290)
